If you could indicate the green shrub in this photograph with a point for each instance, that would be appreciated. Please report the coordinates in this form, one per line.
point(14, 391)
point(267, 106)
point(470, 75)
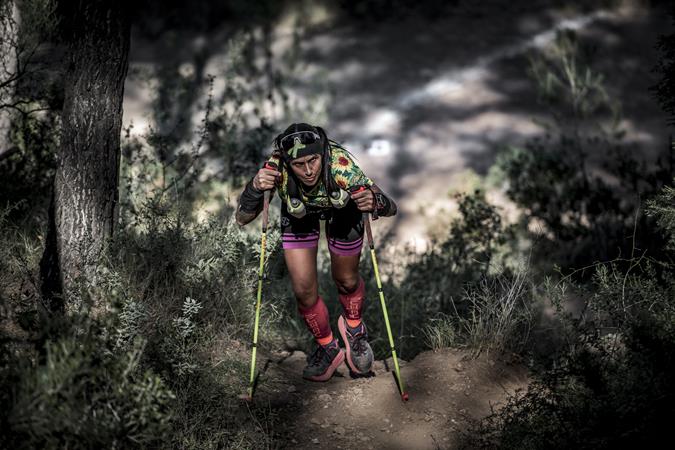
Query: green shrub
point(612, 386)
point(580, 185)
point(500, 316)
point(441, 332)
point(83, 393)
point(434, 296)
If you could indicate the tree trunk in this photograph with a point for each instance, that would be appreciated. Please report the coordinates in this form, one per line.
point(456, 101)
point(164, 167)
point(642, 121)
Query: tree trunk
point(85, 184)
point(9, 36)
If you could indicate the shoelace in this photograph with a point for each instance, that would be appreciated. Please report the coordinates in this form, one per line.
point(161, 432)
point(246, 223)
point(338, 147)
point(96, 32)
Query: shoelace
point(317, 356)
point(359, 342)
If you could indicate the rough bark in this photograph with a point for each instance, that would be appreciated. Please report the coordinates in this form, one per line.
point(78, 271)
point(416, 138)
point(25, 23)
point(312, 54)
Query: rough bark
point(86, 179)
point(9, 30)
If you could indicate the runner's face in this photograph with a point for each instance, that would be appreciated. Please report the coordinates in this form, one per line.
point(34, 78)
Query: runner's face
point(307, 169)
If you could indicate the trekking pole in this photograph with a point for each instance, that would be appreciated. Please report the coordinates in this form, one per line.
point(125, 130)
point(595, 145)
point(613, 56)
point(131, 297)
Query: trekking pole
point(266, 203)
point(371, 244)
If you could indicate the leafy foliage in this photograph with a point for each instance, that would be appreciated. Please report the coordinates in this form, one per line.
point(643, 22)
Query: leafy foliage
point(610, 383)
point(580, 186)
point(664, 90)
point(662, 208)
point(459, 287)
point(613, 387)
point(82, 393)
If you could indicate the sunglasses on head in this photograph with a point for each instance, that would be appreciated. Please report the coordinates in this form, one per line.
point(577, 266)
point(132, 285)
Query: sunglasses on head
point(306, 137)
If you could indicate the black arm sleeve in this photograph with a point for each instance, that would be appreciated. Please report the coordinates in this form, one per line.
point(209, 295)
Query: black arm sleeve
point(251, 199)
point(384, 205)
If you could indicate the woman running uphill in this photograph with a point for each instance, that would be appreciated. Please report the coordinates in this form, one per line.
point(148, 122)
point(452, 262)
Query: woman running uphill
point(318, 180)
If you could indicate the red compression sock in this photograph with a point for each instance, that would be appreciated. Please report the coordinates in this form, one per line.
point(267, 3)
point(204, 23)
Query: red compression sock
point(352, 304)
point(317, 321)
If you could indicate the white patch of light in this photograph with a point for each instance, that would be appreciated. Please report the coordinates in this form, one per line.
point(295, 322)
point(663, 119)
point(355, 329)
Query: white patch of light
point(379, 147)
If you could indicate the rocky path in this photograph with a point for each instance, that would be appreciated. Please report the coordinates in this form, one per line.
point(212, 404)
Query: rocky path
point(447, 389)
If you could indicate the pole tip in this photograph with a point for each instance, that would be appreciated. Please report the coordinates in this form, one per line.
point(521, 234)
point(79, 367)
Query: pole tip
point(404, 396)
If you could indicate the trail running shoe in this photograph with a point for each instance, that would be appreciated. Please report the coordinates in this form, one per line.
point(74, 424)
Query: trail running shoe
point(359, 354)
point(323, 361)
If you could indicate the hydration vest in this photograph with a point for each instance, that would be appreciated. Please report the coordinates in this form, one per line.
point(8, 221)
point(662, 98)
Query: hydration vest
point(339, 173)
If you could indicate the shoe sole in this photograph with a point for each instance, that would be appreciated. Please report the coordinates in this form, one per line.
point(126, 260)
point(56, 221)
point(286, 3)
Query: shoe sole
point(339, 359)
point(342, 326)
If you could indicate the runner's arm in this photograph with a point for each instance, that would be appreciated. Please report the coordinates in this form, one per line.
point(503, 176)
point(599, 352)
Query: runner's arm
point(386, 207)
point(251, 199)
point(249, 205)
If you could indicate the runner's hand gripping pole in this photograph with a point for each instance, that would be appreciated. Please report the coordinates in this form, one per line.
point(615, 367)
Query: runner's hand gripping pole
point(383, 304)
point(261, 271)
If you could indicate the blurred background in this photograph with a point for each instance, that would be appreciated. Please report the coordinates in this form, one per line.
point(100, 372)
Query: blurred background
point(424, 95)
point(528, 146)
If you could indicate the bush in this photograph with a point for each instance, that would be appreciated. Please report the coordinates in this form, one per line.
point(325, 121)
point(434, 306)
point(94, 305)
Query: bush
point(581, 185)
point(188, 288)
point(456, 280)
point(83, 393)
point(613, 387)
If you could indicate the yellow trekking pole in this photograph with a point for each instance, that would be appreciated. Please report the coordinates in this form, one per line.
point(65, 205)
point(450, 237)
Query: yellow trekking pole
point(371, 244)
point(266, 203)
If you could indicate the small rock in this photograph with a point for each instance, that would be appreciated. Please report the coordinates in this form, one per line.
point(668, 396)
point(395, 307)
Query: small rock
point(385, 419)
point(315, 441)
point(325, 398)
point(315, 421)
point(292, 389)
point(339, 430)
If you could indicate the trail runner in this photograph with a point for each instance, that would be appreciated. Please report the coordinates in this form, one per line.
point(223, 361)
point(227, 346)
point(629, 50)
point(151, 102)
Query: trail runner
point(317, 180)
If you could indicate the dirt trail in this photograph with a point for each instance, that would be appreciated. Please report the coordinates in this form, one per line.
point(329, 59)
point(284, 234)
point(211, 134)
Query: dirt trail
point(447, 388)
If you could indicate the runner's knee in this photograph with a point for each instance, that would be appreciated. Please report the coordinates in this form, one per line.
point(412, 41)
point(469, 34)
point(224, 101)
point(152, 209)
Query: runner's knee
point(346, 283)
point(306, 293)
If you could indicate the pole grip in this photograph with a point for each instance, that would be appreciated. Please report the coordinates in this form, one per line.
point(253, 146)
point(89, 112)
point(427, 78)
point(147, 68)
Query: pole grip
point(359, 188)
point(369, 232)
point(266, 206)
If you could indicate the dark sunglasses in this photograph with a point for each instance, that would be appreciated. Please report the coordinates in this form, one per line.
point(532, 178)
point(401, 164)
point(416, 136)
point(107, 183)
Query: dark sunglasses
point(306, 137)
